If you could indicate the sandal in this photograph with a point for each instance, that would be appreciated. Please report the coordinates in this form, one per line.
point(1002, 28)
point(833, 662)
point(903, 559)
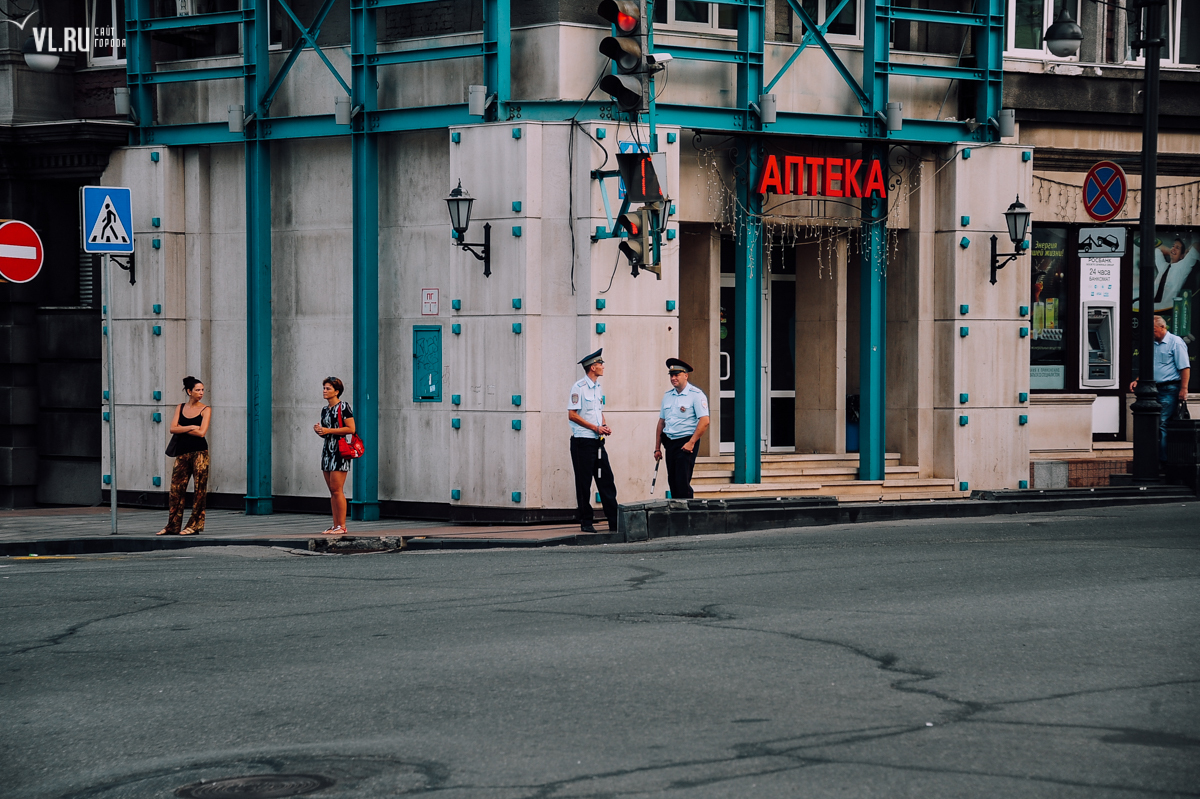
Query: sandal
point(189, 531)
point(330, 530)
point(165, 531)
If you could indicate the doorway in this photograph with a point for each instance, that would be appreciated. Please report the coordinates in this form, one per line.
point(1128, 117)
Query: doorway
point(778, 343)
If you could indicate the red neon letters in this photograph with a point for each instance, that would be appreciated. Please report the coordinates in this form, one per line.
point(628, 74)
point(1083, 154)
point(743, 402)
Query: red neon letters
point(827, 177)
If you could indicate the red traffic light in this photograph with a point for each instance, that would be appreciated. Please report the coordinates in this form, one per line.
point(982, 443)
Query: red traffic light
point(625, 14)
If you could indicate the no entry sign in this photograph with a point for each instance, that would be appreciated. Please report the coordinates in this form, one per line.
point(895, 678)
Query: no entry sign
point(1104, 191)
point(20, 251)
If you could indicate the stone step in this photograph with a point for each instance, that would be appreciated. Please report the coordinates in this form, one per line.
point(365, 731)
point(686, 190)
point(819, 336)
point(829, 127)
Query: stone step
point(845, 491)
point(890, 458)
point(794, 473)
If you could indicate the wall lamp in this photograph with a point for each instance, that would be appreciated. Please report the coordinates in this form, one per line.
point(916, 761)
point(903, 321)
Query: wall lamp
point(1017, 218)
point(459, 203)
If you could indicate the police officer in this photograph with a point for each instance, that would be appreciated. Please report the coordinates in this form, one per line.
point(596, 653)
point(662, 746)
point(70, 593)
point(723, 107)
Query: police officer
point(681, 422)
point(586, 414)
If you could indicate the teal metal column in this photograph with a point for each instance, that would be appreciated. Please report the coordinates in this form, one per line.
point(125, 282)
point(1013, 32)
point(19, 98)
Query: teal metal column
point(872, 335)
point(748, 286)
point(497, 54)
point(258, 268)
point(364, 152)
point(138, 62)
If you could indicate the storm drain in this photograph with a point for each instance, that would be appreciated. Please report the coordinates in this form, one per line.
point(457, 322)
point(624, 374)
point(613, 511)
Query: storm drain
point(255, 786)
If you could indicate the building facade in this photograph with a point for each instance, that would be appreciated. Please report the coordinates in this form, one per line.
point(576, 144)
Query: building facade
point(827, 273)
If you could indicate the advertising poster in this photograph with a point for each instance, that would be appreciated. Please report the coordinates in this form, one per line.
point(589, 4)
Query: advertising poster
point(1047, 362)
point(1176, 282)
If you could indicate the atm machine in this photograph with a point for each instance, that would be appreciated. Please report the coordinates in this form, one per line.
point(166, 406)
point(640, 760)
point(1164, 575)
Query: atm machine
point(1099, 338)
point(1099, 341)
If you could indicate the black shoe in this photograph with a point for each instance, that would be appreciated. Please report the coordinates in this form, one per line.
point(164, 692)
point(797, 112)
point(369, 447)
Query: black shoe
point(587, 528)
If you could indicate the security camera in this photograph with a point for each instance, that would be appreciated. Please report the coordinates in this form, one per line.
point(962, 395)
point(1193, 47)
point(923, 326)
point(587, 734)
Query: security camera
point(659, 58)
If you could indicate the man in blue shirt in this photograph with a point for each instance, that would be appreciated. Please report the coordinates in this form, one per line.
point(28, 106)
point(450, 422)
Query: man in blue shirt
point(1172, 369)
point(585, 412)
point(681, 421)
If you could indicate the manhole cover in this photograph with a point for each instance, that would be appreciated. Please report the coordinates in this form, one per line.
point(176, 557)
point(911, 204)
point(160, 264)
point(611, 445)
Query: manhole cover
point(256, 786)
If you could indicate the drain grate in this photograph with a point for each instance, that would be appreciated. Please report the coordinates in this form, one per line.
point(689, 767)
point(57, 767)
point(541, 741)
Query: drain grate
point(255, 786)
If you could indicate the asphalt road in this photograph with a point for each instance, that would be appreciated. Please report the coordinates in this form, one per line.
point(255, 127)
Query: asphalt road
point(1032, 656)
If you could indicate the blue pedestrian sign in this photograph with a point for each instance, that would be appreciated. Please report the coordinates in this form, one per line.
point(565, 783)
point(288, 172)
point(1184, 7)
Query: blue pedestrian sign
point(107, 219)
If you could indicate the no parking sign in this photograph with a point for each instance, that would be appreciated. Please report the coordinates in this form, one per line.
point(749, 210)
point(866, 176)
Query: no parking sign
point(1104, 191)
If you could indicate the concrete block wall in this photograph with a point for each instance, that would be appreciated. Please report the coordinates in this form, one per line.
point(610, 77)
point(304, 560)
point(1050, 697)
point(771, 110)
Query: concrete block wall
point(991, 363)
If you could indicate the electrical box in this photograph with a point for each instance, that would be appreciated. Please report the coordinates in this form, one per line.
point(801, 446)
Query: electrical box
point(1098, 359)
point(427, 363)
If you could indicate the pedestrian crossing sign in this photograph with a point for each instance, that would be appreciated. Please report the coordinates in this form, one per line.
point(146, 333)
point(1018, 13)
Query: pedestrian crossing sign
point(107, 219)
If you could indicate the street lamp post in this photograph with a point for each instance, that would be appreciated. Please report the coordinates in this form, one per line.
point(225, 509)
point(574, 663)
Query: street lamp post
point(1146, 408)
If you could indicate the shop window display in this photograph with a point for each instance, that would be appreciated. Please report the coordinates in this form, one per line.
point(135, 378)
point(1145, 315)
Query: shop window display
point(1048, 306)
point(1176, 284)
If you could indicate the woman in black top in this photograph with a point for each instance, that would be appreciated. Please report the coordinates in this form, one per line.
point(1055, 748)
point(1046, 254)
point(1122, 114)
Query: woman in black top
point(191, 459)
point(337, 420)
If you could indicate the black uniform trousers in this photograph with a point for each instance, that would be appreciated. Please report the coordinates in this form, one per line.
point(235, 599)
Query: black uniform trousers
point(680, 464)
point(591, 461)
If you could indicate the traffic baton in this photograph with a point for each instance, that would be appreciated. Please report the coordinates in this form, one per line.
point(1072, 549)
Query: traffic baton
point(654, 479)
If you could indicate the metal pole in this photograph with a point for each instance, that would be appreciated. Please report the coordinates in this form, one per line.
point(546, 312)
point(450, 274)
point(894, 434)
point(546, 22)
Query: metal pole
point(1146, 408)
point(106, 269)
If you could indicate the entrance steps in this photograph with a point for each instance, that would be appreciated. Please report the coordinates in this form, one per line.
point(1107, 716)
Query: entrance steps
point(795, 475)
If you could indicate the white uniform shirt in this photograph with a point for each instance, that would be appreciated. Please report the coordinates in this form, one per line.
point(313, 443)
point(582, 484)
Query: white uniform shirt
point(588, 400)
point(682, 411)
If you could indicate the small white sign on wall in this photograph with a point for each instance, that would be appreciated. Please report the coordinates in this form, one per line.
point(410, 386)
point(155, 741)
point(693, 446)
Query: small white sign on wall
point(1100, 278)
point(429, 302)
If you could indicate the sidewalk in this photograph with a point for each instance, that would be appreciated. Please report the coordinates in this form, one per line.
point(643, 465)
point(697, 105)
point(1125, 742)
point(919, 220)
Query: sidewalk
point(74, 531)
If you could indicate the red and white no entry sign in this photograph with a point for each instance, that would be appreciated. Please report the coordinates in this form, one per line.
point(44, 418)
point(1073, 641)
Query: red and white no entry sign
point(20, 251)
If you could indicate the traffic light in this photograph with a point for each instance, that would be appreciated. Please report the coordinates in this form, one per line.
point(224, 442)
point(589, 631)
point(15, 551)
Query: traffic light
point(627, 51)
point(639, 247)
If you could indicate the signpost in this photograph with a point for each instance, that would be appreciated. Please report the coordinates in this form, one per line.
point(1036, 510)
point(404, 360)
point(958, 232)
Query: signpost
point(1105, 190)
point(20, 251)
point(108, 229)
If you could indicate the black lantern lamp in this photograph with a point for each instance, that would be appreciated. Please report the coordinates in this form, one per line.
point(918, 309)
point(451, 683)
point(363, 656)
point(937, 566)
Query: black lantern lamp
point(1017, 218)
point(459, 202)
point(1064, 36)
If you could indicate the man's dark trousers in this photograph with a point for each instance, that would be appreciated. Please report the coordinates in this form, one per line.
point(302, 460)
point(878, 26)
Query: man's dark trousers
point(680, 464)
point(1168, 400)
point(591, 461)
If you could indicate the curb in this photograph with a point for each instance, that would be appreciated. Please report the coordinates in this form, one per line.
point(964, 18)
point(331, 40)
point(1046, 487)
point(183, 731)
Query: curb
point(644, 521)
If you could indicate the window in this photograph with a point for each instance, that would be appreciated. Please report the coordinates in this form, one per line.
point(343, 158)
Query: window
point(690, 14)
point(106, 19)
point(1180, 27)
point(844, 24)
point(1027, 20)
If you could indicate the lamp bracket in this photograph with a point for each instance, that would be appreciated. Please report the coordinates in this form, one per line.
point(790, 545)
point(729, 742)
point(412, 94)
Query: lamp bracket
point(485, 252)
point(998, 265)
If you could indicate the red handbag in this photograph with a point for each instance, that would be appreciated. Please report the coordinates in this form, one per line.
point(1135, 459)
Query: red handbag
point(351, 446)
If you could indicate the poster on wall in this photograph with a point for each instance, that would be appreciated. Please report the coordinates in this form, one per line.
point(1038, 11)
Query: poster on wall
point(1176, 284)
point(1047, 362)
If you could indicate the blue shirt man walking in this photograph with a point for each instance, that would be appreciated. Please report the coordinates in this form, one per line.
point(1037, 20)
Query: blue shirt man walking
point(1172, 370)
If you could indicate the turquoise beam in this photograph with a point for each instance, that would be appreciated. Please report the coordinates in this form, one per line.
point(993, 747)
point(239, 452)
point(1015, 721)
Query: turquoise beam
point(259, 408)
point(193, 21)
point(309, 37)
point(138, 61)
point(872, 333)
point(748, 281)
point(364, 153)
point(497, 55)
point(989, 51)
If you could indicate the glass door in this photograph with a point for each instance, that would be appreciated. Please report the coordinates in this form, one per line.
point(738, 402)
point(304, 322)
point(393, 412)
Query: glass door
point(779, 358)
